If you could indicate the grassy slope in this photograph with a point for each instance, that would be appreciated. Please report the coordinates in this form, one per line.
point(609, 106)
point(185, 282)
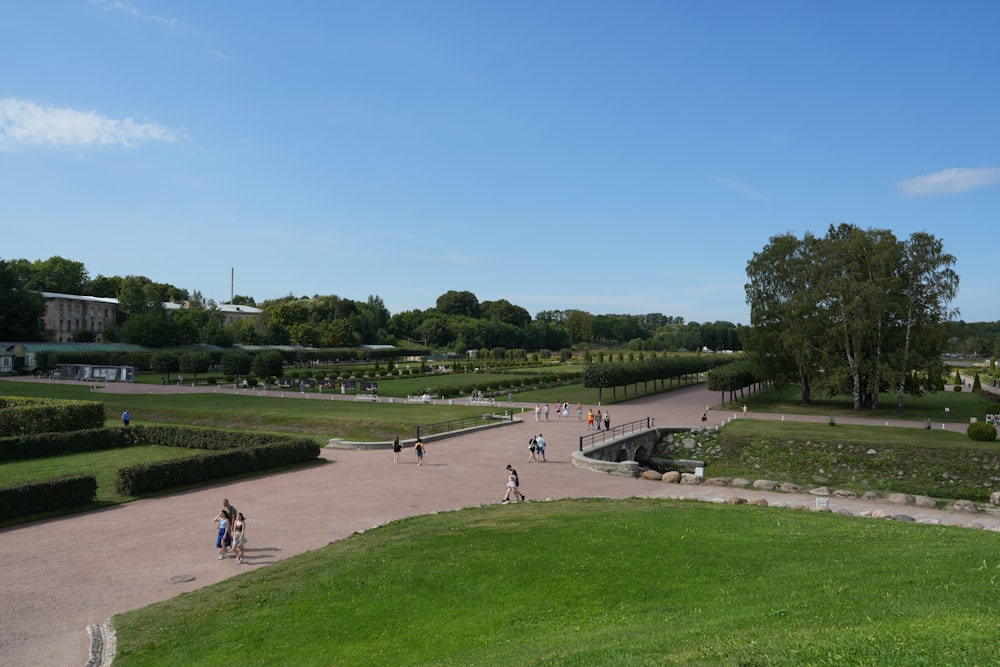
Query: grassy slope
point(595, 582)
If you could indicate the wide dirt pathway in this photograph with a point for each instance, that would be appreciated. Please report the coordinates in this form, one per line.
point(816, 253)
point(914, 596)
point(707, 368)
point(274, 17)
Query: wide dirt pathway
point(61, 575)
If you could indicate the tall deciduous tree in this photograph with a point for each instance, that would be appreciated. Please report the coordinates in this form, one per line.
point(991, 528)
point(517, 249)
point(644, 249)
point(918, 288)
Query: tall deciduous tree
point(21, 309)
point(458, 303)
point(857, 311)
point(57, 274)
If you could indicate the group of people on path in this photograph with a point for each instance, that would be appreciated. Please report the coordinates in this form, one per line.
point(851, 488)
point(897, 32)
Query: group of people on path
point(418, 448)
point(232, 533)
point(536, 445)
point(594, 421)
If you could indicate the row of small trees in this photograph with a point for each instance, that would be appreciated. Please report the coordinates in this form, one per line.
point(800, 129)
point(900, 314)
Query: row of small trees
point(661, 369)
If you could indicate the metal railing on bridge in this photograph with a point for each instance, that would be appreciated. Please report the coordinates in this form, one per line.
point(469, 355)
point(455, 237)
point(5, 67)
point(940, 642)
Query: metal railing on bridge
point(427, 430)
point(615, 432)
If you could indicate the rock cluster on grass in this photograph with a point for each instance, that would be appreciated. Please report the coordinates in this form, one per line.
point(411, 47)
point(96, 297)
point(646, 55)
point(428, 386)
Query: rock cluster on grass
point(905, 499)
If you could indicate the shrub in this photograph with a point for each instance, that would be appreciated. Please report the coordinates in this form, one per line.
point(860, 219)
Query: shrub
point(982, 431)
point(957, 387)
point(230, 453)
point(38, 445)
point(21, 416)
point(47, 495)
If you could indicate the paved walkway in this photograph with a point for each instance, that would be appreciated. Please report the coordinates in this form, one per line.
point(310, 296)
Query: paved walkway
point(61, 575)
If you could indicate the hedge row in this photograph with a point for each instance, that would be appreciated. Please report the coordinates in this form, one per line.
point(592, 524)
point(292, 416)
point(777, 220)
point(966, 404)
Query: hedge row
point(245, 458)
point(201, 438)
point(21, 416)
point(39, 445)
point(59, 493)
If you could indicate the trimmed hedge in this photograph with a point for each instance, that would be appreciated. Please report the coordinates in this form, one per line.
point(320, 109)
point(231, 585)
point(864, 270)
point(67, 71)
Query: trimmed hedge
point(22, 416)
point(218, 454)
point(39, 445)
point(228, 453)
point(59, 493)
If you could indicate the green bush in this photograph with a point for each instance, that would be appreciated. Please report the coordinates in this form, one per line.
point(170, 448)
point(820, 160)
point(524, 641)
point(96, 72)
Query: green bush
point(982, 431)
point(48, 495)
point(38, 445)
point(227, 453)
point(21, 416)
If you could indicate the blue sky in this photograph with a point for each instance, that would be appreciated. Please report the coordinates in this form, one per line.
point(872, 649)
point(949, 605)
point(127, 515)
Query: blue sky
point(614, 157)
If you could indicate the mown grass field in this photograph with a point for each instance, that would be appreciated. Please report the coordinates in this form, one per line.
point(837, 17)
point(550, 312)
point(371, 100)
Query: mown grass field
point(942, 406)
point(598, 582)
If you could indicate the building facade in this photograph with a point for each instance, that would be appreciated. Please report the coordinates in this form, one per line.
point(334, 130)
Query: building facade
point(65, 314)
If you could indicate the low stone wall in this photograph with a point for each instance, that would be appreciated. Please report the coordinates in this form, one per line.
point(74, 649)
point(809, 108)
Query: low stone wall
point(340, 443)
point(624, 468)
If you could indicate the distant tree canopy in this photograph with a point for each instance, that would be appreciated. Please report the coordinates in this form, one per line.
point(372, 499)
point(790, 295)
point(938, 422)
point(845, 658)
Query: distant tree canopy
point(856, 312)
point(458, 321)
point(21, 308)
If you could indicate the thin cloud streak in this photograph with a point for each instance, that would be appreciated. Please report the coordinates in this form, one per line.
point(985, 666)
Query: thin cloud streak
point(743, 189)
point(130, 10)
point(24, 124)
point(948, 182)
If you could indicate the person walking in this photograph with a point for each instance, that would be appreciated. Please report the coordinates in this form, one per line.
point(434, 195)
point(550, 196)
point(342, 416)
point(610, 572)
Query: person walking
point(546, 412)
point(538, 410)
point(419, 449)
point(223, 539)
point(532, 447)
point(512, 486)
point(396, 449)
point(590, 418)
point(540, 445)
point(579, 412)
point(597, 420)
point(607, 420)
point(239, 536)
point(704, 418)
point(126, 418)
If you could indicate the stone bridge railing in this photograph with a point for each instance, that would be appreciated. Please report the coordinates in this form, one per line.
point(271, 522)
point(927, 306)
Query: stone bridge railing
point(622, 453)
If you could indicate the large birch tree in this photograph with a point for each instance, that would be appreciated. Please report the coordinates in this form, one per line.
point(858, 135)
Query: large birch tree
point(856, 311)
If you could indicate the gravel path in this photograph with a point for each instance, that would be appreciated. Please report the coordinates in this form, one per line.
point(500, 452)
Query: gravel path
point(62, 575)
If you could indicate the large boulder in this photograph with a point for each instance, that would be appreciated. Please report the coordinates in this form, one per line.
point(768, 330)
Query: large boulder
point(765, 485)
point(965, 506)
point(652, 474)
point(900, 499)
point(672, 476)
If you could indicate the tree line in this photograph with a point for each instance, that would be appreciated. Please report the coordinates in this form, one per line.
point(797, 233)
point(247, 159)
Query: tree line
point(457, 321)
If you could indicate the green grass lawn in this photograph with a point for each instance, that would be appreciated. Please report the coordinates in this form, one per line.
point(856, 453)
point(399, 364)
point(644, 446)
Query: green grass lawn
point(941, 406)
point(598, 582)
point(315, 416)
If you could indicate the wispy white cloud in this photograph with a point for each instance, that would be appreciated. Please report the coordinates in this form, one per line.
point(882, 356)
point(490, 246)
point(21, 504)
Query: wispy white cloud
point(131, 10)
point(948, 182)
point(25, 124)
point(743, 189)
point(215, 54)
